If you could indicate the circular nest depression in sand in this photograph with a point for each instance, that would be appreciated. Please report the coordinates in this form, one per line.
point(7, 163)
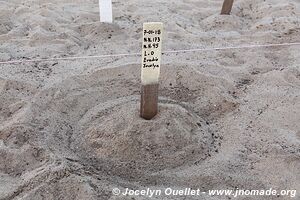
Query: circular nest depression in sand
point(94, 119)
point(116, 132)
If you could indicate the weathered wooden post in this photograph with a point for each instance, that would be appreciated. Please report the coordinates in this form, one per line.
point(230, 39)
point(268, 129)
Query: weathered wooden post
point(151, 61)
point(105, 8)
point(227, 6)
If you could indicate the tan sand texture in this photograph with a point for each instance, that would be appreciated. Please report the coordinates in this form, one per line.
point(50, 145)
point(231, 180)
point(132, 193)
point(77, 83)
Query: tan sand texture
point(228, 118)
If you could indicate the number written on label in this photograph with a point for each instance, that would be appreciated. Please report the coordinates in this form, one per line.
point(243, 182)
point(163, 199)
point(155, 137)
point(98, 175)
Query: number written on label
point(151, 57)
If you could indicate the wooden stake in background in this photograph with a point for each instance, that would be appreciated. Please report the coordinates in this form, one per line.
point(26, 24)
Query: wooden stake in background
point(105, 8)
point(151, 61)
point(227, 6)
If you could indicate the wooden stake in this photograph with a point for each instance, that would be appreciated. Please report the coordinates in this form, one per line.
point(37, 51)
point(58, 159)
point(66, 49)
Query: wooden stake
point(227, 6)
point(151, 60)
point(149, 101)
point(105, 8)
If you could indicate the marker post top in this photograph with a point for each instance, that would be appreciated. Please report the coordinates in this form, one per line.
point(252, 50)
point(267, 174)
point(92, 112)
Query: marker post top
point(105, 8)
point(227, 6)
point(151, 54)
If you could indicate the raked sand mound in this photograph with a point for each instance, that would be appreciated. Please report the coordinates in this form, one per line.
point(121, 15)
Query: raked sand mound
point(88, 116)
point(227, 119)
point(93, 120)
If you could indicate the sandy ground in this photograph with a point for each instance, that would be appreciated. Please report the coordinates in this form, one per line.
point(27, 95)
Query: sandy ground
point(228, 118)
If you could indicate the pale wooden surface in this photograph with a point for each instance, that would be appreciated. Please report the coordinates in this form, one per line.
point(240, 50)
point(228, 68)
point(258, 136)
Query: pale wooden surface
point(151, 56)
point(105, 7)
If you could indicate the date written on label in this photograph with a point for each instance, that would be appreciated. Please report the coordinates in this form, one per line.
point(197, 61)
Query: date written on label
point(151, 52)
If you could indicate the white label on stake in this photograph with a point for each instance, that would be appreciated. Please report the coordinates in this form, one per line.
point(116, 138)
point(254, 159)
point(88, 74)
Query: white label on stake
point(105, 7)
point(151, 54)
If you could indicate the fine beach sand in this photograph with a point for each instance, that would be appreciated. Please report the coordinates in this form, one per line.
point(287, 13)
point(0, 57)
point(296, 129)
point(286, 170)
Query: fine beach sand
point(228, 118)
